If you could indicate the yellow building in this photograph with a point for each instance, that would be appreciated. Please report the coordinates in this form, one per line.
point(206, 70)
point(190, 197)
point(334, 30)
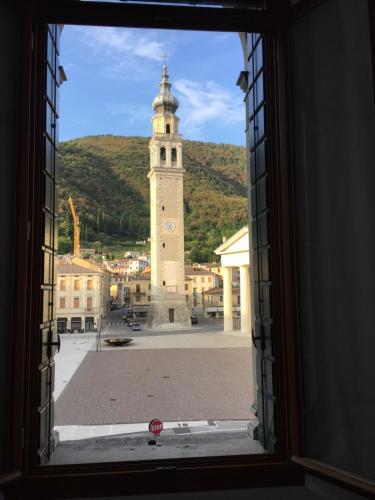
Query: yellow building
point(117, 266)
point(201, 281)
point(214, 303)
point(120, 288)
point(83, 297)
point(140, 292)
point(217, 268)
point(214, 267)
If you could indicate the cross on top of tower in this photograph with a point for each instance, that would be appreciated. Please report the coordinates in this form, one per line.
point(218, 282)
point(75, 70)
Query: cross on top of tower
point(164, 57)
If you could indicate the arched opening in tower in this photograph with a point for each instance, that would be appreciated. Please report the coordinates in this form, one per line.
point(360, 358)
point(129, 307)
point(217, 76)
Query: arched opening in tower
point(163, 156)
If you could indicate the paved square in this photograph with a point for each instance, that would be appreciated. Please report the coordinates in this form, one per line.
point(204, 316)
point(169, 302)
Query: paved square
point(130, 386)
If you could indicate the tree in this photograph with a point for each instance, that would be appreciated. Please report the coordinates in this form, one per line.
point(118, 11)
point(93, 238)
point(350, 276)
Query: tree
point(64, 245)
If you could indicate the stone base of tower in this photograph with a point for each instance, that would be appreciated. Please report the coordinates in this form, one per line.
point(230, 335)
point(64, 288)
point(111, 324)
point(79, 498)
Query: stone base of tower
point(169, 315)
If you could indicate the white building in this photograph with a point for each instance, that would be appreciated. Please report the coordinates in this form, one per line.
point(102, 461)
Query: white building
point(234, 253)
point(136, 266)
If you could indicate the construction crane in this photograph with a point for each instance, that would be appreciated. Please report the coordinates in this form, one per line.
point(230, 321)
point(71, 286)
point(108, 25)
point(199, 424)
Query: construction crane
point(76, 227)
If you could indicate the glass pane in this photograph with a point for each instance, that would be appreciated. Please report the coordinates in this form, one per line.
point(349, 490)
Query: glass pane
point(48, 228)
point(49, 156)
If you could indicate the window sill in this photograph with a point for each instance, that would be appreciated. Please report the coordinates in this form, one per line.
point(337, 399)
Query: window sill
point(333, 474)
point(161, 477)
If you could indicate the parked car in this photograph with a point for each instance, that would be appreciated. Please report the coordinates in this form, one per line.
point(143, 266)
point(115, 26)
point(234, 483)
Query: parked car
point(136, 327)
point(194, 320)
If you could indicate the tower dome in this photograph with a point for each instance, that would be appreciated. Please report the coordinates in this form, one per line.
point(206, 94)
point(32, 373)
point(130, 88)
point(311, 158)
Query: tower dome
point(165, 101)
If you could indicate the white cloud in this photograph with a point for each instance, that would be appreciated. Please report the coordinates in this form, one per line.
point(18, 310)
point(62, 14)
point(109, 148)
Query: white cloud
point(119, 41)
point(122, 52)
point(202, 103)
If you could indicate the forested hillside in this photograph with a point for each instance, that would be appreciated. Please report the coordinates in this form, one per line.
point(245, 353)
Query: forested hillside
point(107, 178)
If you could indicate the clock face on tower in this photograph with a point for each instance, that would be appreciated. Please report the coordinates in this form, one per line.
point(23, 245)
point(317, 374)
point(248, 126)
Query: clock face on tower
point(170, 226)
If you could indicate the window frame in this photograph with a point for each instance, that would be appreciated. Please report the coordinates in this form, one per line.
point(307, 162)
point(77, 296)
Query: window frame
point(168, 475)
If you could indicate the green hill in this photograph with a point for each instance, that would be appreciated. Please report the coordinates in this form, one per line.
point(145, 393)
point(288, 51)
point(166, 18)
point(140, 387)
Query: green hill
point(107, 178)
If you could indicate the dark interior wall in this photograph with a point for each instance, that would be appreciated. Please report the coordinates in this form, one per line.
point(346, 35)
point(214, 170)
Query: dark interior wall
point(8, 92)
point(315, 489)
point(334, 158)
point(286, 493)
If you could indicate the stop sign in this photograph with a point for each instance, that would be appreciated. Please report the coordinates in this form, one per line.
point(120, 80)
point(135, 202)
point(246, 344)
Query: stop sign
point(155, 426)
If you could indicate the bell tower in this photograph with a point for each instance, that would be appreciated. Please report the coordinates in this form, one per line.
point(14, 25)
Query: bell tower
point(168, 308)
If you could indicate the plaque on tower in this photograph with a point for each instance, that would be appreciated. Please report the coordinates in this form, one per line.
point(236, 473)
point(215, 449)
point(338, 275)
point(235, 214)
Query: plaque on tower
point(168, 306)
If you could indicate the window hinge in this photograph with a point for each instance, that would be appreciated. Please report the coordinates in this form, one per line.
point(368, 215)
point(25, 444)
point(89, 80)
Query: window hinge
point(28, 230)
point(32, 40)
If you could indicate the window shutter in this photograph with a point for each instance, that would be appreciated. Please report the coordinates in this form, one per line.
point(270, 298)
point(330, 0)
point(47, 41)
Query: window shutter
point(49, 244)
point(252, 81)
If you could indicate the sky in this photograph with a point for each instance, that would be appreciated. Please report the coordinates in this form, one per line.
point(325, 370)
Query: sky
point(114, 74)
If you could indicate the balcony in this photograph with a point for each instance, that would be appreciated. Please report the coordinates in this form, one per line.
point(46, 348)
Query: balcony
point(92, 310)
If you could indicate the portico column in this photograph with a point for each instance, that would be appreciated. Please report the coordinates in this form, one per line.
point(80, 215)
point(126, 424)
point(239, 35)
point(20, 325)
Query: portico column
point(245, 300)
point(227, 297)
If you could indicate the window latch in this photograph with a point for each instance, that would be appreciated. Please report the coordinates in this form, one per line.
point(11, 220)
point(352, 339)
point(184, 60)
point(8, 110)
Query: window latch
point(254, 339)
point(50, 343)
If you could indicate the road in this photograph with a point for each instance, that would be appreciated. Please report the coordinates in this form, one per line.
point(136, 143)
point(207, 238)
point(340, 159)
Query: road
point(115, 324)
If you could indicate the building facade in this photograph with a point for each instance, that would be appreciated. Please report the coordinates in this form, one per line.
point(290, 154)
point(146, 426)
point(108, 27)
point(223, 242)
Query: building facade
point(83, 296)
point(216, 268)
point(234, 254)
point(214, 304)
point(201, 281)
point(129, 266)
point(168, 304)
point(140, 294)
point(120, 288)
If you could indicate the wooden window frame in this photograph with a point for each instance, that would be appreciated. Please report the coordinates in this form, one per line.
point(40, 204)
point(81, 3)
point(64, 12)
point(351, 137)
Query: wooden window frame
point(171, 475)
point(371, 11)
